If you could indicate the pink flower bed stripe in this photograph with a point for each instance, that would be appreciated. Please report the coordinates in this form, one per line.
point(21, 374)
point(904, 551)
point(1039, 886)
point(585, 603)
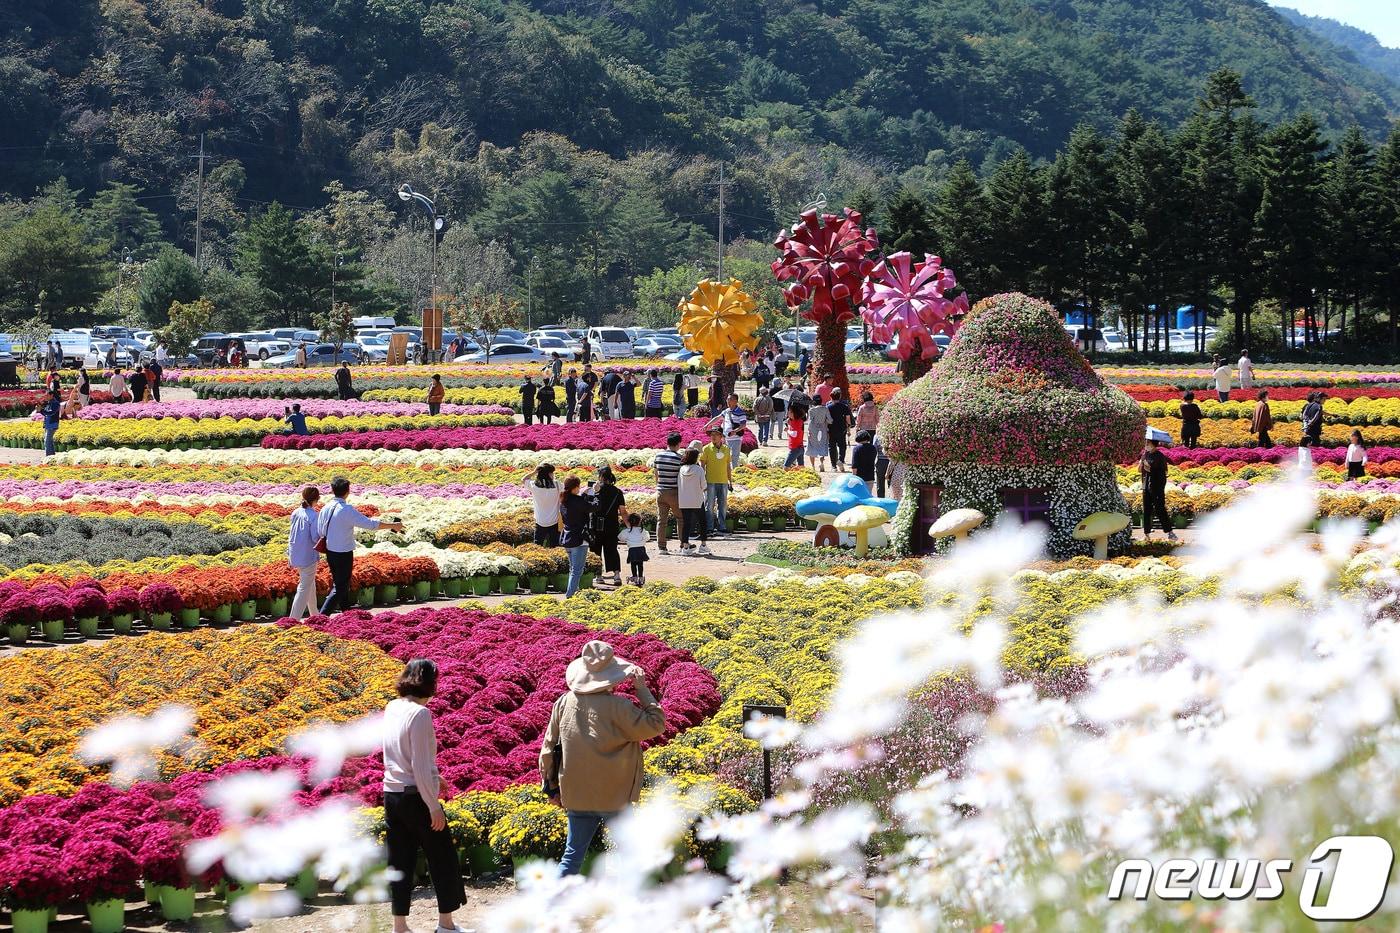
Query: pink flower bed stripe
point(275, 408)
point(590, 435)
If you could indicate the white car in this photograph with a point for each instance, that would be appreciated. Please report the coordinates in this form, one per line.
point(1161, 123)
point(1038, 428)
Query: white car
point(609, 343)
point(506, 353)
point(656, 346)
point(551, 344)
point(97, 356)
point(573, 343)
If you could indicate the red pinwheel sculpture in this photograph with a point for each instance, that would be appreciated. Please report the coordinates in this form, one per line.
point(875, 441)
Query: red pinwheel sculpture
point(907, 300)
point(826, 257)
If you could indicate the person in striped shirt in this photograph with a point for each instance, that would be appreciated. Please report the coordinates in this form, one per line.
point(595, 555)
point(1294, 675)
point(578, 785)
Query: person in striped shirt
point(667, 467)
point(651, 393)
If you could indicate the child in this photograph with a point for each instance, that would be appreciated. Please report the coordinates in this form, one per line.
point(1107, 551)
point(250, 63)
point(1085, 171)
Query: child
point(863, 457)
point(635, 537)
point(795, 427)
point(1356, 457)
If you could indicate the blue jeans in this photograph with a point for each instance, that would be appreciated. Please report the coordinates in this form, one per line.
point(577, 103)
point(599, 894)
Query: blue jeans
point(49, 430)
point(763, 431)
point(794, 457)
point(578, 557)
point(716, 506)
point(583, 826)
point(736, 448)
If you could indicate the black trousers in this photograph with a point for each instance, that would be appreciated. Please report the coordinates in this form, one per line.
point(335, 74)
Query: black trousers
point(434, 408)
point(340, 563)
point(409, 827)
point(570, 402)
point(692, 520)
point(529, 412)
point(838, 447)
point(606, 548)
point(1154, 502)
point(547, 535)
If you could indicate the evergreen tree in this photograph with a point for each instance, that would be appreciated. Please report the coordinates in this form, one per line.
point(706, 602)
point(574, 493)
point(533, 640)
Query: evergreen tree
point(275, 252)
point(1387, 281)
point(1352, 211)
point(168, 278)
point(117, 218)
point(959, 219)
point(1015, 220)
point(907, 227)
point(1086, 221)
point(1147, 179)
point(1287, 222)
point(49, 266)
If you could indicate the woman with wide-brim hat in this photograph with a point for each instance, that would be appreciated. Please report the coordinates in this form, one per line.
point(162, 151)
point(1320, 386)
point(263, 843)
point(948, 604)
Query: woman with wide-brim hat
point(591, 756)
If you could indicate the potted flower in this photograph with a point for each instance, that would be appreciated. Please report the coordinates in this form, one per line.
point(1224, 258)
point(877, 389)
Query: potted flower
point(425, 574)
point(33, 885)
point(464, 827)
point(487, 808)
point(162, 861)
point(89, 606)
point(122, 605)
point(530, 832)
point(54, 616)
point(101, 874)
point(160, 601)
point(18, 614)
point(224, 596)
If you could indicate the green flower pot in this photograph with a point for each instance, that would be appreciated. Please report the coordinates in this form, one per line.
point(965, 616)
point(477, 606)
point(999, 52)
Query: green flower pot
point(481, 586)
point(732, 524)
point(306, 883)
point(235, 891)
point(247, 610)
point(810, 524)
point(364, 597)
point(278, 606)
point(160, 621)
point(753, 522)
point(386, 594)
point(589, 858)
point(53, 630)
point(452, 587)
point(265, 606)
point(18, 633)
point(538, 583)
point(88, 627)
point(176, 903)
point(482, 860)
point(189, 617)
point(222, 615)
point(121, 623)
point(422, 589)
point(559, 582)
point(780, 523)
point(30, 921)
point(107, 916)
point(509, 583)
point(586, 581)
point(152, 890)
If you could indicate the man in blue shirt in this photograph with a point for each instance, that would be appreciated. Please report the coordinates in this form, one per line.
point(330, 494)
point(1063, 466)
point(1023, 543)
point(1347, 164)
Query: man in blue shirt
point(52, 409)
point(296, 420)
point(337, 524)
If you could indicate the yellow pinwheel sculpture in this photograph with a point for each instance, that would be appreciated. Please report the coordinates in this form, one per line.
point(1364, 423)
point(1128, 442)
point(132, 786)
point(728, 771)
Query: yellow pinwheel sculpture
point(719, 321)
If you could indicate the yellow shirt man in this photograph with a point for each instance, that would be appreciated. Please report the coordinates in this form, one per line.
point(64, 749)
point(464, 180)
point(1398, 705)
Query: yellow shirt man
point(715, 458)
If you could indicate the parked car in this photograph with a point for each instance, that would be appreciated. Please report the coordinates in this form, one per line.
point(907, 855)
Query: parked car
point(75, 346)
point(360, 323)
point(637, 333)
point(573, 343)
point(551, 344)
point(682, 356)
point(320, 354)
point(506, 353)
point(110, 332)
point(656, 345)
point(804, 338)
point(609, 342)
point(504, 335)
point(97, 355)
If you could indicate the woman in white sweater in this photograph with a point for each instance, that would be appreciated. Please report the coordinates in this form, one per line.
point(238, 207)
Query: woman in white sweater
point(691, 495)
point(413, 815)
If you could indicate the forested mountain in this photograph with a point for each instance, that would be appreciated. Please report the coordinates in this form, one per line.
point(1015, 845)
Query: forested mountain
point(573, 145)
point(1368, 51)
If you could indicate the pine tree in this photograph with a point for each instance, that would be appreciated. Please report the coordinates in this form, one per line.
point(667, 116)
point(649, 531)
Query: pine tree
point(1015, 219)
point(907, 227)
point(1387, 281)
point(959, 219)
point(275, 252)
point(1287, 222)
point(1147, 180)
point(1352, 211)
point(168, 278)
point(1085, 218)
point(118, 218)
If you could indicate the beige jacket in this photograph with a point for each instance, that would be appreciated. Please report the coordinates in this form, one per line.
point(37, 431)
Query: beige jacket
point(600, 735)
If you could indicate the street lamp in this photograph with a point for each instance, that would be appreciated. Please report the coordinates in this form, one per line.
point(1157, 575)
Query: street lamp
point(432, 319)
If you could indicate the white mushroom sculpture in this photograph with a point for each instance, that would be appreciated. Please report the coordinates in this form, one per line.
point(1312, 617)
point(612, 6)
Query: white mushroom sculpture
point(956, 524)
point(1097, 527)
point(859, 520)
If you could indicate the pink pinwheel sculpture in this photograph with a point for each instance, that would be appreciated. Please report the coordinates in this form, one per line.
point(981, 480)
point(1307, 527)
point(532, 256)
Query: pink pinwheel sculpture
point(907, 300)
point(827, 257)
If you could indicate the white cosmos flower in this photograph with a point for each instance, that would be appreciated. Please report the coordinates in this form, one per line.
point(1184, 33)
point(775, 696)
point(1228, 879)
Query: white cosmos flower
point(772, 731)
point(248, 794)
point(329, 744)
point(264, 905)
point(129, 743)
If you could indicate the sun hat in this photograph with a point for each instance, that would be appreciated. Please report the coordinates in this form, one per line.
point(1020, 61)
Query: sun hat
point(595, 669)
point(696, 444)
point(1158, 435)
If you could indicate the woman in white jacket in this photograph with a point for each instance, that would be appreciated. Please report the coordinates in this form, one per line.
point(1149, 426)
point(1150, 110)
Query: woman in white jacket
point(691, 489)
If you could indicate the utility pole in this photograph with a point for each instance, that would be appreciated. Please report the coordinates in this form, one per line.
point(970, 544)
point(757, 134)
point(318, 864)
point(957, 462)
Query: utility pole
point(199, 212)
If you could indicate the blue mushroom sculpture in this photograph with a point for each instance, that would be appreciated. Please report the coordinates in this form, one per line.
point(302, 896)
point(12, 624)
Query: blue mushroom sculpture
point(845, 492)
